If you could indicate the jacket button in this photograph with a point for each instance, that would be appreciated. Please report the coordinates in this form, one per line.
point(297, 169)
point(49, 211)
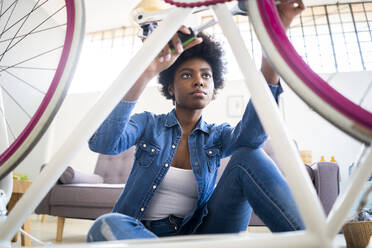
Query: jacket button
point(154, 186)
point(144, 145)
point(142, 209)
point(173, 146)
point(166, 165)
point(152, 150)
point(196, 163)
point(210, 152)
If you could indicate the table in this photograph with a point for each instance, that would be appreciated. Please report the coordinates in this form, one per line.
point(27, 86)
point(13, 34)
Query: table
point(19, 188)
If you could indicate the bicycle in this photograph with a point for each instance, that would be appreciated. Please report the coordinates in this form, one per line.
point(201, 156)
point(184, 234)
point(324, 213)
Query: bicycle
point(346, 115)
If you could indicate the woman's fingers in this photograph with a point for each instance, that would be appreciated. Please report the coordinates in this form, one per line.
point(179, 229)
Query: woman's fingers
point(166, 54)
point(167, 57)
point(301, 4)
point(176, 42)
point(185, 30)
point(195, 42)
point(293, 3)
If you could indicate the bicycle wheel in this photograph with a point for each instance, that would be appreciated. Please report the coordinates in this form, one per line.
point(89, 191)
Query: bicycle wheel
point(324, 99)
point(39, 46)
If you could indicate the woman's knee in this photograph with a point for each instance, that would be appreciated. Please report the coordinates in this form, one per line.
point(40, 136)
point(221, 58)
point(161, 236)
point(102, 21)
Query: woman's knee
point(255, 164)
point(112, 226)
point(250, 156)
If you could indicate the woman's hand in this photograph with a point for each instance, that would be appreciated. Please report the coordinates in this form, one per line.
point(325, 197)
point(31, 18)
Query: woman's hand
point(166, 57)
point(163, 61)
point(288, 10)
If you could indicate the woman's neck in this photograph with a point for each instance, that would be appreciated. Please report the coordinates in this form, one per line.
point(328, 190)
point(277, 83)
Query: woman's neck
point(188, 118)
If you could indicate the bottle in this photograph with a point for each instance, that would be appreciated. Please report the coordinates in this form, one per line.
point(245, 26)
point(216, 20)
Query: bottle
point(333, 160)
point(350, 169)
point(322, 158)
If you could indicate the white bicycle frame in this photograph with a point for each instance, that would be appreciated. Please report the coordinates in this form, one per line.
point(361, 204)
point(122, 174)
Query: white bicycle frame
point(320, 232)
point(7, 183)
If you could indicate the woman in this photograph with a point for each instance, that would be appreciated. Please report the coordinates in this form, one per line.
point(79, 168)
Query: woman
point(171, 189)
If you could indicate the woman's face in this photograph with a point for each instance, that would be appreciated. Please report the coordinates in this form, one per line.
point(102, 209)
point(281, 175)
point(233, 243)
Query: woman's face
point(193, 85)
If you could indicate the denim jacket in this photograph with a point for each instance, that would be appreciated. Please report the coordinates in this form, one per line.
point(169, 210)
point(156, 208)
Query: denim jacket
point(156, 138)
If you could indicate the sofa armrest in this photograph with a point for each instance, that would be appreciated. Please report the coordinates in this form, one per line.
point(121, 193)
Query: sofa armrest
point(72, 176)
point(44, 206)
point(326, 183)
point(69, 176)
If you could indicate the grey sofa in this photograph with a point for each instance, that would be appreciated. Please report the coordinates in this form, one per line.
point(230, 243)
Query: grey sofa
point(88, 201)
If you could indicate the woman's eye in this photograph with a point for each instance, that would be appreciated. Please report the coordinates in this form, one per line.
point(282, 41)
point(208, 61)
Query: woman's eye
point(207, 75)
point(185, 75)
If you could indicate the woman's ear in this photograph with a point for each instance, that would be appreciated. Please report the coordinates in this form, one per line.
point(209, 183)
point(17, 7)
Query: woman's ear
point(170, 90)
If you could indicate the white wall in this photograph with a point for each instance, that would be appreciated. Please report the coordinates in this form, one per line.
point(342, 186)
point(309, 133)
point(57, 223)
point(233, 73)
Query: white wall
point(314, 133)
point(38, 156)
point(72, 110)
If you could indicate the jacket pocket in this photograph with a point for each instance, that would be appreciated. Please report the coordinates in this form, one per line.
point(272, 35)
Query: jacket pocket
point(146, 153)
point(213, 158)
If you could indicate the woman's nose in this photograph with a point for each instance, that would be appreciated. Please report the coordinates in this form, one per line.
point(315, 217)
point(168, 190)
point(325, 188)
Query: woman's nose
point(199, 82)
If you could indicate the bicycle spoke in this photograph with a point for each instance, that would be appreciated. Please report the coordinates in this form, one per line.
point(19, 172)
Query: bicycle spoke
point(1, 8)
point(24, 21)
point(26, 16)
point(7, 8)
point(9, 16)
point(7, 124)
point(365, 93)
point(29, 68)
point(2, 55)
point(28, 84)
point(16, 102)
point(36, 56)
point(41, 30)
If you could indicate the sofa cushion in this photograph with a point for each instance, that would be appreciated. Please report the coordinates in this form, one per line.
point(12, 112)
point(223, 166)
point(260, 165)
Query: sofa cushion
point(115, 168)
point(67, 175)
point(85, 195)
point(310, 172)
point(326, 183)
point(79, 212)
point(71, 175)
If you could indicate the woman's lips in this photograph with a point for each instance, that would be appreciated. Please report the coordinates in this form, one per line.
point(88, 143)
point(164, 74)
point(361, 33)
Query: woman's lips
point(198, 93)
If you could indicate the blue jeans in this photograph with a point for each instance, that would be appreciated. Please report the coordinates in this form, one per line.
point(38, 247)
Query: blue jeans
point(250, 180)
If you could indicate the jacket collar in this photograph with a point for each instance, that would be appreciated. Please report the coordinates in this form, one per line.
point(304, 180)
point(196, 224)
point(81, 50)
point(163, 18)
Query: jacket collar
point(171, 120)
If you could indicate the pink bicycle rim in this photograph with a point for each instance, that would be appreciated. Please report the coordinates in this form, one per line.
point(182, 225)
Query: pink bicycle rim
point(320, 87)
point(195, 4)
point(70, 9)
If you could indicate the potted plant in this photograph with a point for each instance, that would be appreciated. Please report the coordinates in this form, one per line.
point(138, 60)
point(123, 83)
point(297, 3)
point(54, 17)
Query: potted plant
point(358, 231)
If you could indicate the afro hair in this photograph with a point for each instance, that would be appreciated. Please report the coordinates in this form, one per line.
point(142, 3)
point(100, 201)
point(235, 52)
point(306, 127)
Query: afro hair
point(209, 50)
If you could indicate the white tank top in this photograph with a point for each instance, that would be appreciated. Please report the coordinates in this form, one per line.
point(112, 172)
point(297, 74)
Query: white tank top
point(176, 195)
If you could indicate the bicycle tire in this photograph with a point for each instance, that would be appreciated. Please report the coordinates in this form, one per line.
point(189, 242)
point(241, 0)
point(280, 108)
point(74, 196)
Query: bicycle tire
point(50, 103)
point(308, 85)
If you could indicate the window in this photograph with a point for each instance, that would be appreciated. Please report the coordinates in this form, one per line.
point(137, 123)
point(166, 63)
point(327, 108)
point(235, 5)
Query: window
point(330, 38)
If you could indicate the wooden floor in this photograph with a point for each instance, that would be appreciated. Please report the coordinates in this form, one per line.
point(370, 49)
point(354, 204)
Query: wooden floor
point(75, 230)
